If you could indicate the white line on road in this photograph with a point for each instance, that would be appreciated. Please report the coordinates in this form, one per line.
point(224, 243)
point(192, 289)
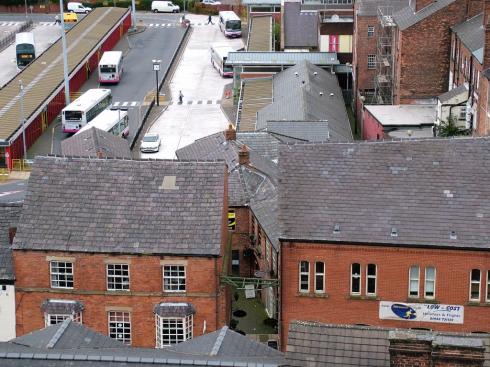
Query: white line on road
point(125, 104)
point(134, 104)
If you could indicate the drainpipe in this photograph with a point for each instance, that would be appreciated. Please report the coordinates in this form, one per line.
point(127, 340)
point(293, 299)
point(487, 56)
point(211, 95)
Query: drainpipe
point(216, 290)
point(279, 288)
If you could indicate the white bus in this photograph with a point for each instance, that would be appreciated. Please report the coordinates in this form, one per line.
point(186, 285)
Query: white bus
point(84, 109)
point(110, 67)
point(25, 49)
point(230, 24)
point(115, 122)
point(219, 54)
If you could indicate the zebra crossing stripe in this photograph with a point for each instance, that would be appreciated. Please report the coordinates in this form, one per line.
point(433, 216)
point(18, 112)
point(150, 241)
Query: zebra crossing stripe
point(134, 104)
point(125, 104)
point(115, 104)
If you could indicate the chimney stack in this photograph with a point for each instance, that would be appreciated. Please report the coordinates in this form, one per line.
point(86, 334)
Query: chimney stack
point(100, 154)
point(230, 133)
point(420, 4)
point(244, 156)
point(486, 28)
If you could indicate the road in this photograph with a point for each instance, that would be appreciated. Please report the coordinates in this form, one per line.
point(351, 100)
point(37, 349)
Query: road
point(12, 191)
point(200, 114)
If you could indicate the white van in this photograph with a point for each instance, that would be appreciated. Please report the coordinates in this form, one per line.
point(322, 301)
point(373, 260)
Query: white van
point(164, 7)
point(78, 8)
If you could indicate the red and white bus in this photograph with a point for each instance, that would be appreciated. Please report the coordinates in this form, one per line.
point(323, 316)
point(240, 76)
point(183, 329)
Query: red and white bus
point(84, 109)
point(219, 54)
point(115, 122)
point(110, 67)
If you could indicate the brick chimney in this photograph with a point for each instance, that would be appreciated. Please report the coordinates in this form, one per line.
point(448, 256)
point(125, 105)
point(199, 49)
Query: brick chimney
point(230, 133)
point(486, 27)
point(460, 353)
point(244, 155)
point(420, 4)
point(407, 351)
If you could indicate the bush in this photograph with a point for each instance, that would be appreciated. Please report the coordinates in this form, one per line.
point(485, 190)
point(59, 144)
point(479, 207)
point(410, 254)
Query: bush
point(233, 324)
point(240, 332)
point(270, 322)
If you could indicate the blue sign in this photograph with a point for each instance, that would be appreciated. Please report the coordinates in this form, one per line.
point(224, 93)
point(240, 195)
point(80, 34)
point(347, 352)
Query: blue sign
point(403, 311)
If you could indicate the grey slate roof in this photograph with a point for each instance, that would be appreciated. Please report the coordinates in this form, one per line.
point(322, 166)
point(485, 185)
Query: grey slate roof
point(407, 17)
point(425, 190)
point(301, 95)
point(305, 131)
point(369, 8)
point(9, 217)
point(471, 33)
point(172, 309)
point(91, 142)
point(453, 93)
point(61, 307)
point(125, 206)
point(300, 27)
point(324, 345)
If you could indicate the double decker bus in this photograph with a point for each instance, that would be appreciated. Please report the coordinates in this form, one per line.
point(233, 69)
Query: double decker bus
point(84, 109)
point(113, 121)
point(25, 49)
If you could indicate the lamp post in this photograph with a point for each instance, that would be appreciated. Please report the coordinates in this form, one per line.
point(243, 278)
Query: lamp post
point(25, 4)
point(65, 56)
point(156, 67)
point(22, 120)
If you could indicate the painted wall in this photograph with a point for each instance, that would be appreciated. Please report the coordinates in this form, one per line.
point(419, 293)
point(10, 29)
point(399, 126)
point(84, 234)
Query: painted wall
point(7, 312)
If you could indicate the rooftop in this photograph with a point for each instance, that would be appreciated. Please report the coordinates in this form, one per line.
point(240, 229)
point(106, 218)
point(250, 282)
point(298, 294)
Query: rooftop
point(281, 58)
point(446, 97)
point(369, 8)
point(407, 17)
point(420, 193)
point(404, 115)
point(260, 36)
point(300, 27)
point(125, 206)
point(472, 35)
point(9, 216)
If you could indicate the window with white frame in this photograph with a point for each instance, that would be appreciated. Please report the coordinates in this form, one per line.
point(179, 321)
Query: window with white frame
point(174, 278)
point(430, 282)
point(270, 305)
point(371, 61)
point(274, 260)
point(61, 274)
point(120, 326)
point(475, 279)
point(319, 277)
point(370, 30)
point(355, 278)
point(413, 282)
point(462, 113)
point(304, 276)
point(172, 330)
point(371, 273)
point(53, 319)
point(488, 286)
point(118, 277)
point(267, 251)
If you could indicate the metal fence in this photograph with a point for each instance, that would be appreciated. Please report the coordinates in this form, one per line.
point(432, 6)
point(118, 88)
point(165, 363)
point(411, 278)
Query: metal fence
point(10, 37)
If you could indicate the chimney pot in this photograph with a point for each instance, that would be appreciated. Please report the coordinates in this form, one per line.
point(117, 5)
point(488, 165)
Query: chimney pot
point(244, 155)
point(230, 133)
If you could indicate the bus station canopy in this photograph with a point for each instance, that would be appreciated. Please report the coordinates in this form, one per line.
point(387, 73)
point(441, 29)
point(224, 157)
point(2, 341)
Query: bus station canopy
point(281, 58)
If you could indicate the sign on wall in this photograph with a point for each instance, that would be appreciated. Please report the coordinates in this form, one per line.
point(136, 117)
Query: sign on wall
point(425, 312)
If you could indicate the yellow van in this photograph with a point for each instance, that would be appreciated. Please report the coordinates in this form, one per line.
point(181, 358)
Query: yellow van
point(70, 20)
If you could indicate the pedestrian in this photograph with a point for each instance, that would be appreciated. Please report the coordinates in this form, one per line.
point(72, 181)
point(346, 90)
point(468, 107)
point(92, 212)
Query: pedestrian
point(181, 97)
point(210, 19)
point(57, 19)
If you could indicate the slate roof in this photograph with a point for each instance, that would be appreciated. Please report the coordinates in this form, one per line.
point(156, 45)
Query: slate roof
point(407, 17)
point(61, 307)
point(300, 27)
point(471, 33)
point(304, 131)
point(94, 142)
point(172, 309)
point(369, 8)
point(324, 345)
point(424, 190)
point(301, 95)
point(445, 97)
point(125, 206)
point(9, 217)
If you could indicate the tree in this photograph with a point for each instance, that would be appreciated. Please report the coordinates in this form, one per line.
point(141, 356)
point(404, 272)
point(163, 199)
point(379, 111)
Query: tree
point(449, 128)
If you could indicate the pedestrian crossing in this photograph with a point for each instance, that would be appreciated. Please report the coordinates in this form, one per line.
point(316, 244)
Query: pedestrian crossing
point(47, 24)
point(167, 25)
point(197, 102)
point(126, 104)
point(9, 24)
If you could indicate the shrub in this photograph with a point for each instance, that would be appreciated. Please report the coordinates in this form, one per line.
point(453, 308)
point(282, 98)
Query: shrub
point(236, 296)
point(233, 324)
point(241, 332)
point(270, 322)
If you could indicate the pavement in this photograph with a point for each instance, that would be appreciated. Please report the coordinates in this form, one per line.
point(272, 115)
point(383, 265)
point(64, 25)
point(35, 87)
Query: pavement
point(200, 114)
point(12, 191)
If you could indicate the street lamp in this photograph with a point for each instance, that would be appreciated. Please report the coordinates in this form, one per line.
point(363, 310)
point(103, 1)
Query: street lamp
point(25, 4)
point(156, 67)
point(22, 120)
point(65, 56)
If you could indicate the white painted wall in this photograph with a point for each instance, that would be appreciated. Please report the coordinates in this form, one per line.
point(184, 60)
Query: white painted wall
point(7, 312)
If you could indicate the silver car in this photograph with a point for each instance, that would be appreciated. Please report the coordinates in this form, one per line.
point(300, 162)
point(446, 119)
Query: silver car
point(150, 143)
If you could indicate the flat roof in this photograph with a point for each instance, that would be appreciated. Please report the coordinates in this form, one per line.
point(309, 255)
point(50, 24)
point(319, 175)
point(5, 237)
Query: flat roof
point(281, 58)
point(260, 36)
point(403, 115)
point(44, 76)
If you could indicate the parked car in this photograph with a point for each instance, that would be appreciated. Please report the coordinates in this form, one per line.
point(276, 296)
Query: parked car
point(78, 8)
point(210, 2)
point(164, 7)
point(150, 143)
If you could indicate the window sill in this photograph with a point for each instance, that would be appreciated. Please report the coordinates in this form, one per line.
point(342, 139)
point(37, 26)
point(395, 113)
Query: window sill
point(313, 295)
point(423, 300)
point(478, 304)
point(363, 298)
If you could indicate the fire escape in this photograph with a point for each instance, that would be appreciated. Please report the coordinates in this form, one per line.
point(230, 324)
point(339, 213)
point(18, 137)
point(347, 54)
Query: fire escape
point(384, 79)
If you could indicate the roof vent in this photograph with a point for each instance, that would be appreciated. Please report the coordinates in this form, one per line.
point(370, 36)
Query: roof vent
point(296, 73)
point(394, 232)
point(453, 236)
point(336, 228)
point(315, 73)
point(321, 94)
point(169, 183)
point(331, 94)
point(303, 82)
point(448, 193)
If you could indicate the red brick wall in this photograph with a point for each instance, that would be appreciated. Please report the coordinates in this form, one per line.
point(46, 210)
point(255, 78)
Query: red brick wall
point(372, 129)
point(241, 240)
point(483, 126)
point(362, 47)
point(33, 287)
point(423, 65)
point(452, 284)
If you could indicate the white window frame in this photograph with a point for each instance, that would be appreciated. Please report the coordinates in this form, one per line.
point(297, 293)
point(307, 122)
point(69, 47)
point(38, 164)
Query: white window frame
point(322, 274)
point(178, 278)
point(304, 273)
point(487, 297)
point(186, 329)
point(462, 113)
point(76, 317)
point(274, 260)
point(267, 251)
point(114, 279)
point(426, 281)
point(371, 61)
point(410, 279)
point(116, 329)
point(270, 302)
point(58, 274)
point(375, 277)
point(355, 276)
point(370, 31)
point(479, 286)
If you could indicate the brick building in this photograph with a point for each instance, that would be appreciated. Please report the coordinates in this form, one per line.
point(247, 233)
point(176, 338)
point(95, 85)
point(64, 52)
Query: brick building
point(386, 234)
point(129, 248)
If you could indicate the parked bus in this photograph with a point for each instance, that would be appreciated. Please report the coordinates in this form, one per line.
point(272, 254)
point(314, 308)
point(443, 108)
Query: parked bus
point(84, 109)
point(115, 122)
point(219, 54)
point(70, 19)
point(25, 49)
point(230, 24)
point(110, 67)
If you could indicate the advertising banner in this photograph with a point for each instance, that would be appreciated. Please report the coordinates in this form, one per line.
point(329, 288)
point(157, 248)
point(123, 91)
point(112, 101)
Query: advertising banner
point(425, 312)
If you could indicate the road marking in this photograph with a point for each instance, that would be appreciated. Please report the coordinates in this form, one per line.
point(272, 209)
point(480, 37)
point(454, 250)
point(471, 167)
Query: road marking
point(157, 25)
point(115, 104)
point(124, 104)
point(151, 25)
point(195, 102)
point(47, 23)
point(8, 193)
point(134, 104)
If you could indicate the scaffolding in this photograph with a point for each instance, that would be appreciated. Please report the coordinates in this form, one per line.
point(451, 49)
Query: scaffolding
point(384, 79)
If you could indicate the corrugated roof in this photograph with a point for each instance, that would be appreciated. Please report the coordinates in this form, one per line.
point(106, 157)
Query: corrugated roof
point(43, 76)
point(260, 36)
point(256, 94)
point(407, 16)
point(281, 58)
